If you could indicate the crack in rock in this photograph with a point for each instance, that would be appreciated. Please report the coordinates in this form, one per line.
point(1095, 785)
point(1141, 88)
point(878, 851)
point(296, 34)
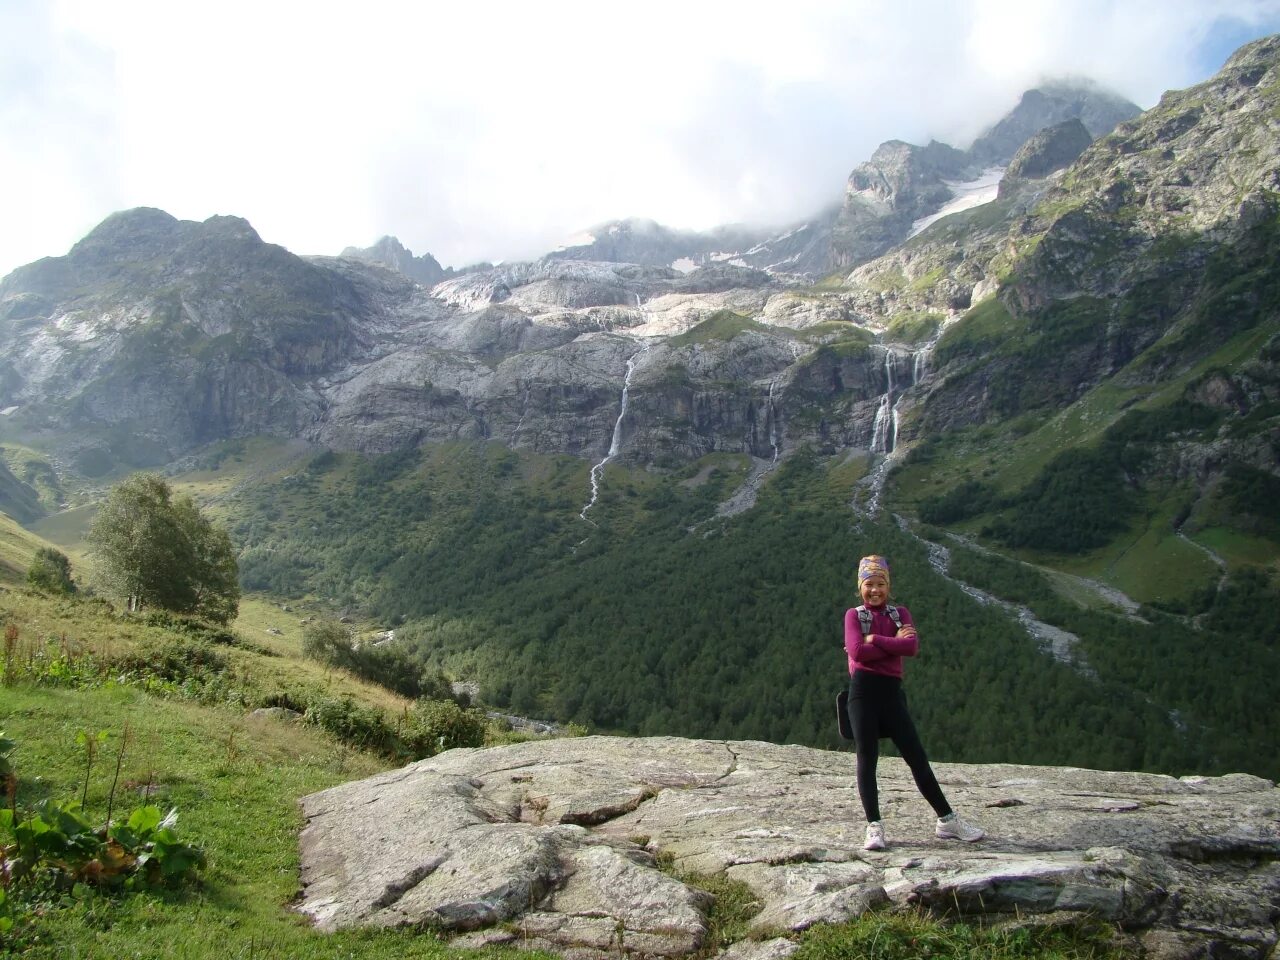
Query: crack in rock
point(1184, 862)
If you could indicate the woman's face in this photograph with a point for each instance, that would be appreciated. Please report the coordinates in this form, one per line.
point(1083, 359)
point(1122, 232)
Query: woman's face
point(875, 590)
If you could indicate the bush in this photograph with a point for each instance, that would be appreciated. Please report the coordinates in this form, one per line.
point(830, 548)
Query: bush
point(50, 572)
point(436, 725)
point(968, 499)
point(363, 727)
point(389, 665)
point(1077, 502)
point(329, 642)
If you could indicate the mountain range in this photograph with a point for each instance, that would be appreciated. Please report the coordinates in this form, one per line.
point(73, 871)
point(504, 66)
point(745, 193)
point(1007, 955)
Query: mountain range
point(1049, 360)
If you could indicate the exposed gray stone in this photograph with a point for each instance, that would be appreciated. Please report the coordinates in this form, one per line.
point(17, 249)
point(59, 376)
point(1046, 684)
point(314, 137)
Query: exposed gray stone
point(560, 840)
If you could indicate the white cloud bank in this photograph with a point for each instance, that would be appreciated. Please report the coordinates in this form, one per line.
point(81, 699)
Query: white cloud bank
point(496, 130)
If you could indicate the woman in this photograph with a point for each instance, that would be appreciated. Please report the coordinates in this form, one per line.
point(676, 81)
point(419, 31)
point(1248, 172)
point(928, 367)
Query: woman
point(876, 637)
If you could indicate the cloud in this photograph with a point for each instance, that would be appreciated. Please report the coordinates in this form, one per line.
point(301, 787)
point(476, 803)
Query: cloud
point(495, 131)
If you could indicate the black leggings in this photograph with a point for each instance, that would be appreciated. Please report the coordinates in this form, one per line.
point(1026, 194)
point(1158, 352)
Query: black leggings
point(878, 708)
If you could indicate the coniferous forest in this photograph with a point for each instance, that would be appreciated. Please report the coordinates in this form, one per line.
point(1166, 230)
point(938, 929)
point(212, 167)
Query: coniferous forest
point(662, 618)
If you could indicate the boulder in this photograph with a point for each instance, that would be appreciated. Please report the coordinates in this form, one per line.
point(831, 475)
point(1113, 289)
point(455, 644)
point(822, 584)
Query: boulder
point(582, 846)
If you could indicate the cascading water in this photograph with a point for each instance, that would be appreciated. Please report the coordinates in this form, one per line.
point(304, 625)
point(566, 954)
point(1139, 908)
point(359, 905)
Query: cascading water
point(524, 413)
point(884, 429)
point(773, 422)
point(615, 442)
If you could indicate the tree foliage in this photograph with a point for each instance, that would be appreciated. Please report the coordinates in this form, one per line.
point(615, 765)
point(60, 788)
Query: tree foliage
point(156, 550)
point(667, 620)
point(50, 571)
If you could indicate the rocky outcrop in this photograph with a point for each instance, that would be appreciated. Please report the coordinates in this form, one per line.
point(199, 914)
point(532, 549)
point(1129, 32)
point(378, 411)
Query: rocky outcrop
point(884, 196)
point(1204, 163)
point(391, 253)
point(799, 250)
point(585, 847)
point(903, 183)
point(1050, 150)
point(1098, 110)
point(646, 242)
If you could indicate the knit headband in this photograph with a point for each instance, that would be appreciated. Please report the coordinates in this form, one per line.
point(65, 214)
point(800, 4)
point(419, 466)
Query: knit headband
point(872, 565)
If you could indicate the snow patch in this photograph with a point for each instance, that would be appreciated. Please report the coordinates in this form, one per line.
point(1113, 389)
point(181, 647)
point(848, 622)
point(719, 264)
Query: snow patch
point(965, 195)
point(684, 265)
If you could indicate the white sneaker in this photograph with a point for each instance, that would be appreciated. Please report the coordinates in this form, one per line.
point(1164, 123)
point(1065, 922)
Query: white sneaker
point(957, 829)
point(875, 836)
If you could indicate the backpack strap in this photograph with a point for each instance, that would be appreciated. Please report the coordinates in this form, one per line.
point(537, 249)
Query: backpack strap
point(894, 615)
point(864, 617)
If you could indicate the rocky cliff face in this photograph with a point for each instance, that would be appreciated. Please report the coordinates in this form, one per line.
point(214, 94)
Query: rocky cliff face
point(391, 253)
point(1099, 112)
point(1127, 256)
point(903, 183)
point(155, 335)
point(1048, 151)
point(557, 845)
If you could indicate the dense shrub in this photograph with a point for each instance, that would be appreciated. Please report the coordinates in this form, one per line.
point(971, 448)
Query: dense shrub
point(436, 725)
point(1078, 501)
point(363, 727)
point(970, 498)
point(391, 665)
point(50, 572)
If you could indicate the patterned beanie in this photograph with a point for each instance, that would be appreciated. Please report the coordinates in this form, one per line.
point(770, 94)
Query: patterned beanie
point(872, 565)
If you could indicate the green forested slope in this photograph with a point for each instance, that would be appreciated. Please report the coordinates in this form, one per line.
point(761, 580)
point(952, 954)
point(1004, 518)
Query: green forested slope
point(664, 619)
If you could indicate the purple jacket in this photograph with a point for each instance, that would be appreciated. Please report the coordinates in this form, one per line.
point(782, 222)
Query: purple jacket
point(884, 656)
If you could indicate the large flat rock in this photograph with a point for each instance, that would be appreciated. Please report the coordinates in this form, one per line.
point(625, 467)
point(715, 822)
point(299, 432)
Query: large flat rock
point(556, 844)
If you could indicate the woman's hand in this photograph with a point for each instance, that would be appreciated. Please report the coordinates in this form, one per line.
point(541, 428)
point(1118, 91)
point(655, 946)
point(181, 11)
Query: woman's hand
point(906, 632)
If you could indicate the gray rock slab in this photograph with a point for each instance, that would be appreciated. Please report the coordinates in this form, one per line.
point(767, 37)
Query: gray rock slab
point(578, 846)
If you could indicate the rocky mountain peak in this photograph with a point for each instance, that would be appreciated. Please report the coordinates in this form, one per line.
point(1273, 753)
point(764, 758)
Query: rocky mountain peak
point(1045, 106)
point(1050, 150)
point(1260, 54)
point(391, 253)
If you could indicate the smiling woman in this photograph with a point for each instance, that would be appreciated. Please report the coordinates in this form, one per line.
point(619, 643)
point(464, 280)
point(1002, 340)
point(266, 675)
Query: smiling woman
point(877, 636)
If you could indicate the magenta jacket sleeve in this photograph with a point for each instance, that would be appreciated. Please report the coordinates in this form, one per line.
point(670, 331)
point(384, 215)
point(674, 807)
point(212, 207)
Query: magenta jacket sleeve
point(900, 646)
point(854, 646)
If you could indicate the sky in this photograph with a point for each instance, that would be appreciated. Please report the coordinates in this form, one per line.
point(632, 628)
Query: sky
point(499, 130)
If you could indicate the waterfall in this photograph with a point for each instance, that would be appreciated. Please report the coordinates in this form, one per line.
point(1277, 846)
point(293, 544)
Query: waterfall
point(773, 422)
point(615, 442)
point(524, 413)
point(884, 429)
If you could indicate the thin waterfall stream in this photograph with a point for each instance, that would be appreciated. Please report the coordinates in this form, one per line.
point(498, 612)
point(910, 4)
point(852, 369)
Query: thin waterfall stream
point(615, 442)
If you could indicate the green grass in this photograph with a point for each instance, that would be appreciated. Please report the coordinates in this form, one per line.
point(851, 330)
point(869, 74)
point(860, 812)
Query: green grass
point(834, 330)
point(66, 530)
point(985, 326)
point(927, 281)
point(1147, 563)
point(235, 781)
point(235, 784)
point(723, 325)
point(1239, 548)
point(17, 548)
point(33, 468)
point(886, 280)
point(913, 327)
